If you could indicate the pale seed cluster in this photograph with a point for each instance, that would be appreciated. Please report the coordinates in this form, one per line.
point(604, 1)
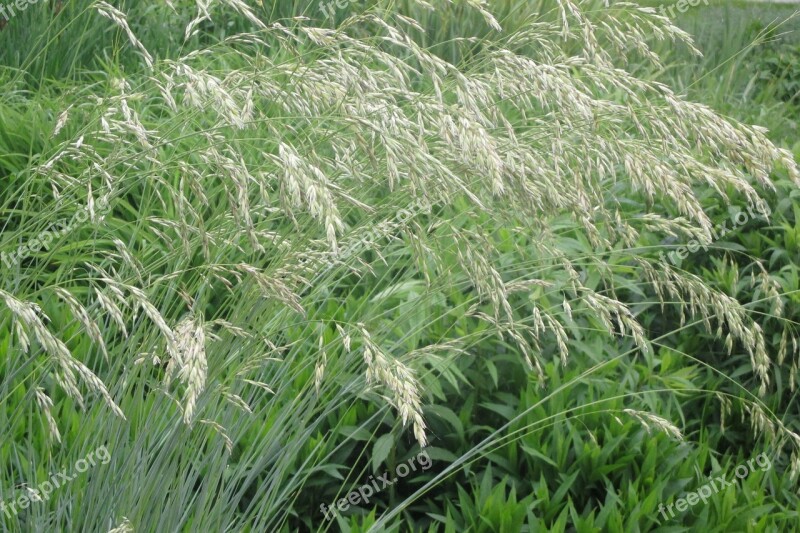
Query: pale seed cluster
point(526, 134)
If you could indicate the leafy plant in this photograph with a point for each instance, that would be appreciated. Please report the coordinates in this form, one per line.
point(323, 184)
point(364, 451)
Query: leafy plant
point(326, 237)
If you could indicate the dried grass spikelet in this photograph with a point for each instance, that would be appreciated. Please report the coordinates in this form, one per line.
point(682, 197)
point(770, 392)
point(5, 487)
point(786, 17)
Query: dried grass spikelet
point(61, 121)
point(203, 14)
point(259, 384)
point(399, 380)
point(140, 301)
point(529, 346)
point(124, 527)
point(304, 184)
point(761, 423)
point(45, 403)
point(480, 6)
point(794, 466)
point(661, 424)
point(345, 336)
point(119, 122)
point(274, 286)
point(710, 304)
point(128, 259)
point(481, 272)
point(724, 411)
point(319, 367)
point(229, 97)
point(119, 18)
point(27, 318)
point(236, 331)
point(607, 308)
point(231, 164)
point(189, 362)
point(784, 436)
point(236, 400)
point(221, 431)
point(96, 384)
point(80, 313)
point(109, 306)
point(154, 315)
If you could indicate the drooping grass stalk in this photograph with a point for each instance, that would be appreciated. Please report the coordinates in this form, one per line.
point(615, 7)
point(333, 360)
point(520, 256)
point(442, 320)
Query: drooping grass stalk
point(209, 318)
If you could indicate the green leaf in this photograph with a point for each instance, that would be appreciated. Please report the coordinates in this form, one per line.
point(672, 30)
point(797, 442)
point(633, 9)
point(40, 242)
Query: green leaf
point(381, 449)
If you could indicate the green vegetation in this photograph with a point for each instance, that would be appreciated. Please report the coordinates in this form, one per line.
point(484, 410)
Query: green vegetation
point(257, 259)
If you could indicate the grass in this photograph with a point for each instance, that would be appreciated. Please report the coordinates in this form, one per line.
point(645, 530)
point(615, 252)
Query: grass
point(326, 251)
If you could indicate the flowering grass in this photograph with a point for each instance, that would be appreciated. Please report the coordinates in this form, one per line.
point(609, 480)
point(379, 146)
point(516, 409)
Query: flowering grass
point(205, 326)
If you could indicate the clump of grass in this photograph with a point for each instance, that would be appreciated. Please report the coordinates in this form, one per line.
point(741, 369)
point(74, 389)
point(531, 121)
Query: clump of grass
point(235, 171)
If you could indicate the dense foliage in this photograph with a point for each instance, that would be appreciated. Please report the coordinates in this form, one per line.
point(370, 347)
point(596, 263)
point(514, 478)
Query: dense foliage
point(439, 266)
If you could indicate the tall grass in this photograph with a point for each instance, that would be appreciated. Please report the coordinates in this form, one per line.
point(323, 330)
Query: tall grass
point(226, 329)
